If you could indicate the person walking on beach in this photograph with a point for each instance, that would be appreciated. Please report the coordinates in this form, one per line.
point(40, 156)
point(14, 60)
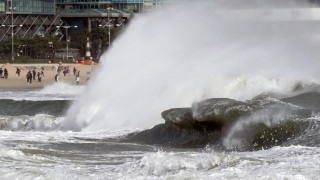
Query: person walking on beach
point(6, 73)
point(34, 74)
point(78, 80)
point(39, 77)
point(56, 78)
point(68, 70)
point(42, 71)
point(59, 70)
point(1, 71)
point(18, 72)
point(29, 77)
point(65, 71)
point(74, 71)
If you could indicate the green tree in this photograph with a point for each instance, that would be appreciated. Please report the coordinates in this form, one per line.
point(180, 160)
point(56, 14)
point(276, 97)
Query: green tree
point(99, 36)
point(80, 40)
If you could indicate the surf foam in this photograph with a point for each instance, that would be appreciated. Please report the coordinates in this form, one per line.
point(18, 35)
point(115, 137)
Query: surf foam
point(191, 52)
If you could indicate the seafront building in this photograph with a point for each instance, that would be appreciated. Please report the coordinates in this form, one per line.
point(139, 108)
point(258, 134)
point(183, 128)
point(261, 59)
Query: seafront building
point(102, 13)
point(28, 18)
point(61, 18)
point(43, 17)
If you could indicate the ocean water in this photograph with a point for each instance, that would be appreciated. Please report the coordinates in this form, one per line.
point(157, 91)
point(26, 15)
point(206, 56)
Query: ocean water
point(194, 91)
point(33, 144)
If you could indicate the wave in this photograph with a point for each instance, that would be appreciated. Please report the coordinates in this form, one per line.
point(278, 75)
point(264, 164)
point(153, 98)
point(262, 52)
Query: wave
point(262, 122)
point(39, 122)
point(62, 88)
point(187, 62)
point(156, 164)
point(53, 92)
point(13, 108)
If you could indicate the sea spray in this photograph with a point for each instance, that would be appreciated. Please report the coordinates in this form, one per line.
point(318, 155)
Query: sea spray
point(190, 52)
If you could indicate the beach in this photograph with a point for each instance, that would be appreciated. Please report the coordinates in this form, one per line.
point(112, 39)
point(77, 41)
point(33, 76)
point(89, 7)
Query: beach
point(17, 82)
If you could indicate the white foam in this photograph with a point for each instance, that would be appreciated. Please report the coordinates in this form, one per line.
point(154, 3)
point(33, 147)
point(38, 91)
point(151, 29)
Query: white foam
point(7, 153)
point(182, 55)
point(38, 122)
point(294, 162)
point(171, 163)
point(62, 88)
point(56, 91)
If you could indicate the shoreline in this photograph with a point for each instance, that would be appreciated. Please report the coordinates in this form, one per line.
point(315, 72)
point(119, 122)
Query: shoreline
point(15, 82)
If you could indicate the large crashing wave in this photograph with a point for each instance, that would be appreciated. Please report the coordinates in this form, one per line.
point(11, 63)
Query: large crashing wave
point(262, 122)
point(191, 52)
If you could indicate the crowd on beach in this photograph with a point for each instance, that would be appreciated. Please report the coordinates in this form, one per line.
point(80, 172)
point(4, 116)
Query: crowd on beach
point(5, 73)
point(33, 74)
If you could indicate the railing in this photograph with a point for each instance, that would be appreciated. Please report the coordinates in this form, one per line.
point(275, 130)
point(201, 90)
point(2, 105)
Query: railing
point(71, 11)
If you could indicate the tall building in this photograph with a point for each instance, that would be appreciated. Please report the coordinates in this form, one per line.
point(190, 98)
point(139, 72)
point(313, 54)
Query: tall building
point(89, 14)
point(94, 13)
point(28, 18)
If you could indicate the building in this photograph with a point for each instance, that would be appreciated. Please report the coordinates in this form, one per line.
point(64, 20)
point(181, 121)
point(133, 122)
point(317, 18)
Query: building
point(29, 18)
point(89, 14)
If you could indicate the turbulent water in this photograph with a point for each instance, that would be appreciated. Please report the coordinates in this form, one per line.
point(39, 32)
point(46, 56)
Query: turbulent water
point(194, 91)
point(271, 136)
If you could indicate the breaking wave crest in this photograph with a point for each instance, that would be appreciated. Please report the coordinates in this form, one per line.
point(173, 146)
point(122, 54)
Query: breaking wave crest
point(262, 122)
point(62, 88)
point(38, 122)
point(12, 108)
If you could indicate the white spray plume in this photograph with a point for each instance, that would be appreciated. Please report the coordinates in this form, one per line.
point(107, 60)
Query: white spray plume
point(190, 52)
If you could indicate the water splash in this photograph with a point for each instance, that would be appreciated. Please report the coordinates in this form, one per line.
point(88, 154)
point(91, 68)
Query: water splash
point(191, 52)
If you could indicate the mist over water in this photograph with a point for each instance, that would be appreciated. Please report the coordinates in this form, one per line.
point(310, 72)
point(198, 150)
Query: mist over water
point(187, 53)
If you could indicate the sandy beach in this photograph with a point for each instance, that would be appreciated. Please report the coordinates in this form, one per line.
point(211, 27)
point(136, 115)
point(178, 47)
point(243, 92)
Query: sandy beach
point(20, 82)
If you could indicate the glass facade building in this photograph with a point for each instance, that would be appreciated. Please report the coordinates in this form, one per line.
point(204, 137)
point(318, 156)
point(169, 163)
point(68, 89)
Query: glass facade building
point(44, 7)
point(131, 5)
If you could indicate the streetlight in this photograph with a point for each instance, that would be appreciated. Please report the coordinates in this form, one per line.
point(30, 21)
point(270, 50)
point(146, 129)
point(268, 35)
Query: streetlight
point(109, 8)
point(12, 9)
point(67, 27)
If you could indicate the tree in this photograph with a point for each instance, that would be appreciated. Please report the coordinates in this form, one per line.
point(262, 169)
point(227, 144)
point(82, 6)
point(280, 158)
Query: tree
point(98, 36)
point(39, 46)
point(80, 40)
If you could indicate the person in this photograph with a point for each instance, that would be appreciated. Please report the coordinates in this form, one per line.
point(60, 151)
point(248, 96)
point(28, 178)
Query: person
point(59, 70)
point(78, 79)
point(34, 74)
point(42, 71)
point(39, 77)
point(1, 71)
point(65, 71)
point(18, 72)
point(6, 73)
point(29, 77)
point(74, 71)
point(56, 78)
point(68, 70)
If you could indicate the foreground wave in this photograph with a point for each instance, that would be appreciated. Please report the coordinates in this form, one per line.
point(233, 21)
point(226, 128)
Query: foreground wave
point(262, 122)
point(11, 107)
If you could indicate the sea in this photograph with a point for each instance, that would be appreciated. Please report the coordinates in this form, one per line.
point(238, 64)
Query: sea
point(199, 90)
point(282, 144)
